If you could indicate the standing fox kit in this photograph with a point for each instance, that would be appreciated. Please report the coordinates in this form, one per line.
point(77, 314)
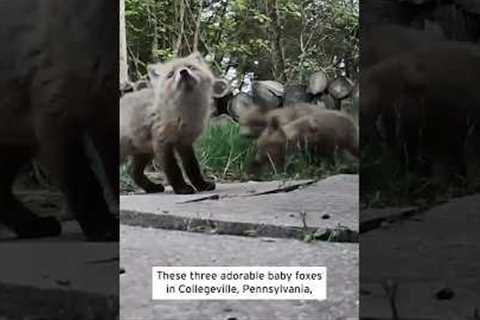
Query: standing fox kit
point(165, 121)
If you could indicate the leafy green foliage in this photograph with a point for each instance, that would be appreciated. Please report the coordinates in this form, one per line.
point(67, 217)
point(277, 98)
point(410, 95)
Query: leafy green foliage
point(312, 34)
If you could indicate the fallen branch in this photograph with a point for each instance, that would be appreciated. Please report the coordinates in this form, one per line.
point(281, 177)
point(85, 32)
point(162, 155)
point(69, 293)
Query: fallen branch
point(290, 188)
point(211, 197)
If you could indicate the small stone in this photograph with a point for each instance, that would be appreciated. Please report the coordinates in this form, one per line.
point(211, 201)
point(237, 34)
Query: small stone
point(445, 294)
point(364, 292)
point(64, 283)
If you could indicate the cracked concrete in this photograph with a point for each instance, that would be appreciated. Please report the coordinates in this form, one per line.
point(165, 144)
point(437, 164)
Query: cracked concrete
point(424, 254)
point(142, 248)
point(330, 204)
point(152, 234)
point(80, 277)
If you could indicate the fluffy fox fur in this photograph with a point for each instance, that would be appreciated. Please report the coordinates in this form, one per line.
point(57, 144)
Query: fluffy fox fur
point(182, 94)
point(253, 121)
point(429, 110)
point(320, 133)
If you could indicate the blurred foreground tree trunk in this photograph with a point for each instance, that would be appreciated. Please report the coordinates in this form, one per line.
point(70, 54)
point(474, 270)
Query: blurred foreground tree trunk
point(123, 45)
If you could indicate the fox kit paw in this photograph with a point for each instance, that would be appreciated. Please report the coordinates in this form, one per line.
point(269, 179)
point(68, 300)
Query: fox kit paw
point(206, 186)
point(186, 189)
point(154, 188)
point(106, 228)
point(39, 227)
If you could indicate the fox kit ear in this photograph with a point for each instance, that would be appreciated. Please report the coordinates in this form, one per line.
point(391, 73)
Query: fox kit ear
point(153, 72)
point(221, 88)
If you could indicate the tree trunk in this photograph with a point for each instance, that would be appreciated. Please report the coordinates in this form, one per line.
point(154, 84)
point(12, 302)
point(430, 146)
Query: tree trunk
point(123, 46)
point(275, 32)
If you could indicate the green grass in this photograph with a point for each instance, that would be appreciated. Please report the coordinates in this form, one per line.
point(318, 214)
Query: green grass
point(383, 183)
point(223, 153)
point(126, 183)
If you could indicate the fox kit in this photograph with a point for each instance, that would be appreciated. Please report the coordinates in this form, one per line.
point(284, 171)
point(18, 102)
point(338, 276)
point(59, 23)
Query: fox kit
point(253, 121)
point(320, 133)
point(165, 121)
point(429, 109)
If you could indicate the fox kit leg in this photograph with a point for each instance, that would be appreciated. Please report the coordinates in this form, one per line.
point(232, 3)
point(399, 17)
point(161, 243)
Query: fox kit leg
point(192, 168)
point(136, 169)
point(352, 148)
point(173, 171)
point(65, 158)
point(69, 167)
point(12, 213)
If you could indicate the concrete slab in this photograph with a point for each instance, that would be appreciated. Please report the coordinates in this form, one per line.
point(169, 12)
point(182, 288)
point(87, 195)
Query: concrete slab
point(227, 189)
point(423, 255)
point(142, 248)
point(63, 277)
point(242, 209)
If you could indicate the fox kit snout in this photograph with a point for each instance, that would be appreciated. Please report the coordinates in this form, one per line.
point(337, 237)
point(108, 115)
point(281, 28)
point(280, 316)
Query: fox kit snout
point(185, 76)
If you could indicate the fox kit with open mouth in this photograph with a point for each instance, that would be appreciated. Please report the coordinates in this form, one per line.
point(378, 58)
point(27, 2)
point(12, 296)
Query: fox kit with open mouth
point(182, 93)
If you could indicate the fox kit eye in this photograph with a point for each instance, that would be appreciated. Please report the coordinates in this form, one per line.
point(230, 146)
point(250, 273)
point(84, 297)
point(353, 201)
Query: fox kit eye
point(191, 67)
point(170, 74)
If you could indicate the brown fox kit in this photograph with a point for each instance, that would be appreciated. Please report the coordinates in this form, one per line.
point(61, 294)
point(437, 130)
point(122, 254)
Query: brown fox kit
point(182, 93)
point(253, 121)
point(320, 133)
point(429, 110)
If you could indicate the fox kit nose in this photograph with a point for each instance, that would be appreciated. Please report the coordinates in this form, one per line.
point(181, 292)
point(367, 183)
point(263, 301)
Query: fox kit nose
point(184, 73)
